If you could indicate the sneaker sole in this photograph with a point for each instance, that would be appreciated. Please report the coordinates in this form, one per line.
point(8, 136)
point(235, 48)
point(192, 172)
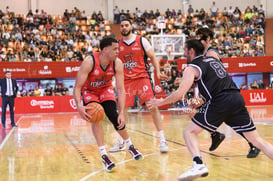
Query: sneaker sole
point(189, 178)
point(114, 151)
point(113, 169)
point(139, 158)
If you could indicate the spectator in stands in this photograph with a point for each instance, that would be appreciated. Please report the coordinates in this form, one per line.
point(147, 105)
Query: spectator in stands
point(30, 91)
point(261, 84)
point(254, 85)
point(116, 15)
point(214, 10)
point(64, 90)
point(37, 91)
point(23, 91)
point(48, 91)
point(190, 9)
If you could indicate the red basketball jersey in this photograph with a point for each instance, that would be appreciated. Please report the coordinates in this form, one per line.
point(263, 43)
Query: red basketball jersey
point(134, 59)
point(99, 78)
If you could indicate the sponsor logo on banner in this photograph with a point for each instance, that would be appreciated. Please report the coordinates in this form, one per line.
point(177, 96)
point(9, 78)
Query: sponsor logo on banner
point(72, 103)
point(184, 66)
point(43, 104)
point(14, 69)
point(247, 64)
point(72, 69)
point(45, 71)
point(271, 63)
point(256, 97)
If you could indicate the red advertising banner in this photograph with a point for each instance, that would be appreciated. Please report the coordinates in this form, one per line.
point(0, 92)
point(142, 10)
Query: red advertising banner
point(54, 104)
point(40, 69)
point(45, 104)
point(70, 69)
point(241, 64)
point(258, 97)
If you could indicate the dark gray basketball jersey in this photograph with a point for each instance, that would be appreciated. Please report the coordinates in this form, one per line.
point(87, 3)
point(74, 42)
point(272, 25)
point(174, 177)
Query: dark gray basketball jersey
point(213, 77)
point(213, 49)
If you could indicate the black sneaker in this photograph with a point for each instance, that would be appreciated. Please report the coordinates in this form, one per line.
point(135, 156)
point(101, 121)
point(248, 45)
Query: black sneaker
point(253, 152)
point(135, 153)
point(109, 165)
point(216, 140)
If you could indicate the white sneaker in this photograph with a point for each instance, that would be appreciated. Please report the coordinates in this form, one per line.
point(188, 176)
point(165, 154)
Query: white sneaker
point(197, 170)
point(163, 147)
point(117, 147)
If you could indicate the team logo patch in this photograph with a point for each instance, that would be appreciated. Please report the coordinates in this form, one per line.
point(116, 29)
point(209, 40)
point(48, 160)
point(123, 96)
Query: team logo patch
point(121, 48)
point(110, 91)
point(145, 88)
point(88, 98)
point(158, 89)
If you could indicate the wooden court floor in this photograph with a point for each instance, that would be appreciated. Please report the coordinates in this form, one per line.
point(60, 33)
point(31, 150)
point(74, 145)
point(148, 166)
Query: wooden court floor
point(51, 147)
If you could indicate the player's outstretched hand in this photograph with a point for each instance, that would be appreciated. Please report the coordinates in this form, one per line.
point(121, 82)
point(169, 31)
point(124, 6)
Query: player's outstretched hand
point(195, 102)
point(163, 76)
point(177, 81)
point(153, 103)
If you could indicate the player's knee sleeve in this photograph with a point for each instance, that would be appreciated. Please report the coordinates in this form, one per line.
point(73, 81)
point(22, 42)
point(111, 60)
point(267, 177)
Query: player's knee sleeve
point(110, 109)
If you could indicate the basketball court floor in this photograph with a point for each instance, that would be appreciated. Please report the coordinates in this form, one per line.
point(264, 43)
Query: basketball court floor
point(61, 147)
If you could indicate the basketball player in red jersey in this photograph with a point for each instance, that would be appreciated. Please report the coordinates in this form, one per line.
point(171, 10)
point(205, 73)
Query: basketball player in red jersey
point(94, 84)
point(134, 52)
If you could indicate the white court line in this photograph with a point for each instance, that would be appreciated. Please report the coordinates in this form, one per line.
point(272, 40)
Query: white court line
point(122, 162)
point(7, 137)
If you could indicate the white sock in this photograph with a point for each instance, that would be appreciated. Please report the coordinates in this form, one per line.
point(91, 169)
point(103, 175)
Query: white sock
point(102, 150)
point(120, 140)
point(128, 142)
point(161, 136)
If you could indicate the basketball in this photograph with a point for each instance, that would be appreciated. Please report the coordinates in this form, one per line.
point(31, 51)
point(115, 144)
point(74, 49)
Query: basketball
point(96, 111)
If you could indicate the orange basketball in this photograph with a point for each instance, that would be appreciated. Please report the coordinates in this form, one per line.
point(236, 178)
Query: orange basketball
point(96, 111)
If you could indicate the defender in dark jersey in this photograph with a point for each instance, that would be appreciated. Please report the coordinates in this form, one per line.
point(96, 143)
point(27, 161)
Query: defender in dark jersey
point(94, 84)
point(205, 35)
point(223, 103)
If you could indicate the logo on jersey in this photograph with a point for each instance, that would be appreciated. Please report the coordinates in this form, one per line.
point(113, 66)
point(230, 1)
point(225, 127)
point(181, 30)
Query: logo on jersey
point(98, 83)
point(110, 90)
point(96, 72)
point(129, 63)
point(121, 48)
point(145, 88)
point(158, 89)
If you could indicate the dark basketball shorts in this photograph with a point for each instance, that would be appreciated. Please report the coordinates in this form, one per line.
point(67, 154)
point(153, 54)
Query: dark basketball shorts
point(228, 107)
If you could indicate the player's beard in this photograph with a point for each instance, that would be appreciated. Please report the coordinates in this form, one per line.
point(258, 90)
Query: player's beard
point(126, 34)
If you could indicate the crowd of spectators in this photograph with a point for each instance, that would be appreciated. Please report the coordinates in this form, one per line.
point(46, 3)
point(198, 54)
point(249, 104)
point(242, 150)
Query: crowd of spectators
point(237, 33)
point(71, 36)
point(58, 90)
point(38, 36)
point(42, 37)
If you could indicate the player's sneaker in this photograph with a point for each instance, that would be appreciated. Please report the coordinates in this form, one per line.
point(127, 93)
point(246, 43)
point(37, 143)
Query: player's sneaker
point(163, 147)
point(109, 165)
point(216, 140)
point(253, 152)
point(135, 153)
point(117, 147)
point(197, 170)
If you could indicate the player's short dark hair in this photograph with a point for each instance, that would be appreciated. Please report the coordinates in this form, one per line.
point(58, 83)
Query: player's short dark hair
point(126, 19)
point(7, 72)
point(205, 32)
point(107, 41)
point(196, 45)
